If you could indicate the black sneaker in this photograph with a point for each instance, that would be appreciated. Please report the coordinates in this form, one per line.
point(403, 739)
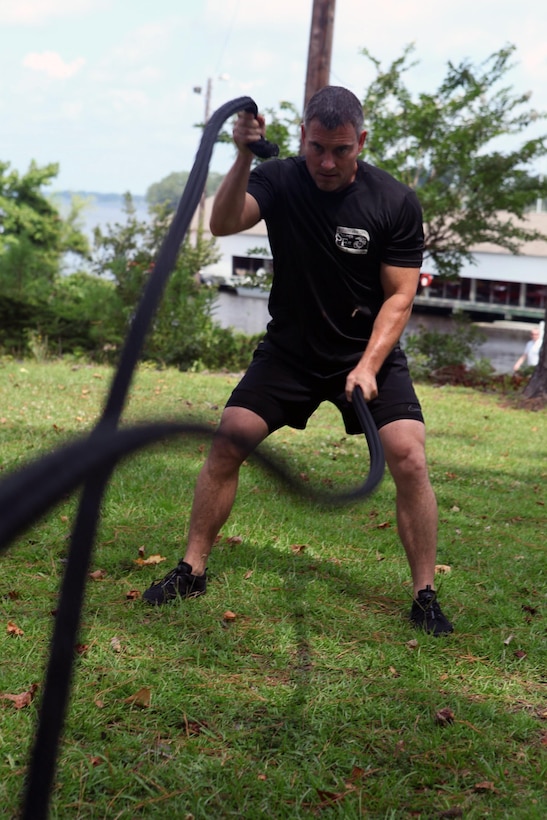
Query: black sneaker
point(426, 613)
point(179, 581)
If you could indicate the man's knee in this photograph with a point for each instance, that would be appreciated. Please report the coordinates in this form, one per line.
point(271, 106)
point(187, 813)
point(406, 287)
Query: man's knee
point(240, 432)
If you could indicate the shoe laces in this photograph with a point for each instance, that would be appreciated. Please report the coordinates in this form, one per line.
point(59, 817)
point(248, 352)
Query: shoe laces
point(171, 575)
point(427, 600)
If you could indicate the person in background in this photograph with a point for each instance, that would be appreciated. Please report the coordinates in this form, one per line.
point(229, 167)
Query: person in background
point(347, 244)
point(530, 355)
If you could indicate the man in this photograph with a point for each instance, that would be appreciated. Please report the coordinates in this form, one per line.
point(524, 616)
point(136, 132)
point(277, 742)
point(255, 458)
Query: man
point(531, 352)
point(347, 243)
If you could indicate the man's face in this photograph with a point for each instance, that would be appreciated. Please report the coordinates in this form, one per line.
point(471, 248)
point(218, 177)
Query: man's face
point(331, 155)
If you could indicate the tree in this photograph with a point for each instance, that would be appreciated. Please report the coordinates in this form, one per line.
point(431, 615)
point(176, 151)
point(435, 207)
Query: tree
point(443, 144)
point(537, 386)
point(126, 253)
point(169, 190)
point(447, 146)
point(33, 235)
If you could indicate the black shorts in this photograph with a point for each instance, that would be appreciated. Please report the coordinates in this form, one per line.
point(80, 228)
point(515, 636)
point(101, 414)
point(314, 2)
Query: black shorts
point(282, 395)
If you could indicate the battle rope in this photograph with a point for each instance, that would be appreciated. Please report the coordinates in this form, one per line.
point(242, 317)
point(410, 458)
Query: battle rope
point(29, 492)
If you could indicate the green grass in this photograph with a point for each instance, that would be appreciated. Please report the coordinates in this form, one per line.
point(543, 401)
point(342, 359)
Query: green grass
point(313, 702)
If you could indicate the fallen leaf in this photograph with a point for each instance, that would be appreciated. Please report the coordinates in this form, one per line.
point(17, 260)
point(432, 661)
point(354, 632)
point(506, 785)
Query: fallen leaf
point(454, 509)
point(152, 559)
point(140, 698)
point(12, 595)
point(81, 648)
point(298, 547)
point(412, 644)
point(443, 568)
point(141, 552)
point(99, 704)
point(520, 654)
point(22, 700)
point(98, 574)
point(444, 716)
point(234, 540)
point(133, 595)
point(193, 727)
point(229, 615)
point(261, 777)
point(96, 761)
point(484, 786)
point(384, 525)
point(13, 629)
point(328, 798)
point(394, 672)
point(358, 774)
point(248, 574)
point(115, 645)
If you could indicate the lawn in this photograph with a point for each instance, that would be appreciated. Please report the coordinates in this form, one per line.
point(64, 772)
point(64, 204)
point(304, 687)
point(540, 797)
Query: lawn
point(295, 688)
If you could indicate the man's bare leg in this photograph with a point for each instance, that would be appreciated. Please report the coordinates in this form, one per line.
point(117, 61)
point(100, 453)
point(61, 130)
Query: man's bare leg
point(417, 519)
point(240, 432)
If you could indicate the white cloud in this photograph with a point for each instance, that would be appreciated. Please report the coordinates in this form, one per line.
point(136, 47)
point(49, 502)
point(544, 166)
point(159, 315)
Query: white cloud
point(52, 64)
point(35, 12)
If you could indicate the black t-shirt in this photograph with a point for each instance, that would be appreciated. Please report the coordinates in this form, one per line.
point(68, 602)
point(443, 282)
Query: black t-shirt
point(327, 251)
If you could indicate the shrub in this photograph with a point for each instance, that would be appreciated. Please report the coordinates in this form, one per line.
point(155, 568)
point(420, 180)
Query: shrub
point(430, 351)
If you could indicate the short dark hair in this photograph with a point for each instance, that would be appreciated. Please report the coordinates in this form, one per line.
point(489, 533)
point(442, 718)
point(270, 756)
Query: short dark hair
point(334, 106)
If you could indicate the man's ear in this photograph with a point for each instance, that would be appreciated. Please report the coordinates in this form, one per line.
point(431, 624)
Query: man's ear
point(362, 139)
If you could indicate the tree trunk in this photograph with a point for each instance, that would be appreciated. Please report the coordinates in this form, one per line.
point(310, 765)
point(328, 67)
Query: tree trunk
point(537, 386)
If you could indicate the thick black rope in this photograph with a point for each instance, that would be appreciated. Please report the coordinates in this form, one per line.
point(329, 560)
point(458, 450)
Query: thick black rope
point(29, 492)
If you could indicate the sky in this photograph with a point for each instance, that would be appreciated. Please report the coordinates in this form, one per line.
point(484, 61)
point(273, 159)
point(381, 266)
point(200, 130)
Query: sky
point(106, 88)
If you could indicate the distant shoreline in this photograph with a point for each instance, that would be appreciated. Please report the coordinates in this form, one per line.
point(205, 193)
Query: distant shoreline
point(98, 197)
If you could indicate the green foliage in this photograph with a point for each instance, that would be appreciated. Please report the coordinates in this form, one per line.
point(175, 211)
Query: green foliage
point(169, 190)
point(447, 145)
point(44, 314)
point(85, 297)
point(25, 326)
point(227, 349)
point(33, 236)
point(430, 350)
point(284, 130)
point(183, 333)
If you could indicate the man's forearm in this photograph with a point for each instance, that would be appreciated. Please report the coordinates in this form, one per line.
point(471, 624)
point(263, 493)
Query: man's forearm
point(386, 332)
point(229, 203)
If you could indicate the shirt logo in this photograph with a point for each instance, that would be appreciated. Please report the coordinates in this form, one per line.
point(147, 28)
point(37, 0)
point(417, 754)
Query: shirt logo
point(352, 240)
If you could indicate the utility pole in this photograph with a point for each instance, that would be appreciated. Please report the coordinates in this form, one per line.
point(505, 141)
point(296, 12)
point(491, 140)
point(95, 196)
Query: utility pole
point(320, 47)
point(201, 211)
